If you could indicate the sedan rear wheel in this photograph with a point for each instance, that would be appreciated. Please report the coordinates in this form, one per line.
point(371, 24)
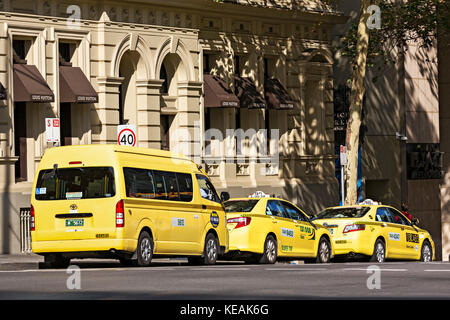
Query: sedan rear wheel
point(379, 252)
point(270, 251)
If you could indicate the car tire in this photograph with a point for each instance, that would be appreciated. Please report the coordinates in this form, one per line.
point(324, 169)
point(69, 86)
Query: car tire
point(270, 251)
point(210, 250)
point(426, 254)
point(323, 251)
point(379, 252)
point(144, 251)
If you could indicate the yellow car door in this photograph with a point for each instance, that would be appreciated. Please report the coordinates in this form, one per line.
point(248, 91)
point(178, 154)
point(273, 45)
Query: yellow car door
point(396, 236)
point(282, 226)
point(410, 241)
point(178, 227)
point(304, 232)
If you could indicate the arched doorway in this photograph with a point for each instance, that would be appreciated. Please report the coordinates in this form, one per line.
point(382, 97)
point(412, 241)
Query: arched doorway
point(171, 73)
point(132, 69)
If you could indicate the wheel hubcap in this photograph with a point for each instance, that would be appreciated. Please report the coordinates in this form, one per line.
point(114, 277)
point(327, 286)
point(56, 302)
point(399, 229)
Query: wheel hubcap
point(380, 252)
point(324, 252)
point(146, 249)
point(426, 253)
point(271, 251)
point(211, 249)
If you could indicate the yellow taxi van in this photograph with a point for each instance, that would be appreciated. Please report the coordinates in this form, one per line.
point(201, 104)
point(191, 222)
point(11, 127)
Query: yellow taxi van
point(125, 203)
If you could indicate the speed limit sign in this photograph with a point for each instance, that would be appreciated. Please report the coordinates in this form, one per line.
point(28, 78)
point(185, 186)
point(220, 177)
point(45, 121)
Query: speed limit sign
point(126, 135)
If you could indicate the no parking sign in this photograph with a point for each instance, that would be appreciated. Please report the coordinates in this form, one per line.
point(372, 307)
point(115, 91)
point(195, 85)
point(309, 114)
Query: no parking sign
point(126, 135)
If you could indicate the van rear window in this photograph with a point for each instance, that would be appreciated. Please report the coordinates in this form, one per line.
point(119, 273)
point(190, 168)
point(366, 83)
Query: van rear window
point(75, 183)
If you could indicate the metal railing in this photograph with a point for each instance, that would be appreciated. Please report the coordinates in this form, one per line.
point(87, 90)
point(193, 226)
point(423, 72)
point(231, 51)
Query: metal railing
point(25, 230)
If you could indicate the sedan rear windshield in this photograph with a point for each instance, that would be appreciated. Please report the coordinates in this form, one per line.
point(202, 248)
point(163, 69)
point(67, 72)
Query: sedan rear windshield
point(75, 183)
point(240, 205)
point(337, 213)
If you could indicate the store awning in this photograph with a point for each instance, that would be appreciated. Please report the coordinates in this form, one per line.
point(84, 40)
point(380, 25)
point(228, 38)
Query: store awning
point(74, 87)
point(218, 93)
point(29, 85)
point(276, 95)
point(248, 95)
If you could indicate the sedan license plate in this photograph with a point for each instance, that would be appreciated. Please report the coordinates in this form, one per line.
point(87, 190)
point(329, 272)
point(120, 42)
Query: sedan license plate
point(74, 222)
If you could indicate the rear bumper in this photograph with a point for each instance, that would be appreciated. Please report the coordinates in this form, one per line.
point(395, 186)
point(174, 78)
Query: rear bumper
point(352, 244)
point(88, 245)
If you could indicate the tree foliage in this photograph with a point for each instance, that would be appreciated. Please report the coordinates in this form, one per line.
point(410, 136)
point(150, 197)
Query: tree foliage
point(402, 23)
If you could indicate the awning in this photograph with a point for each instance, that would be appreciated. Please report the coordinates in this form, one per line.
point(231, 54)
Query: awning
point(218, 93)
point(276, 95)
point(29, 85)
point(75, 87)
point(248, 95)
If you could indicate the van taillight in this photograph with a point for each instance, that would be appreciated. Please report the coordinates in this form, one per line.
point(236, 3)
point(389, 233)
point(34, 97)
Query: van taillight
point(32, 219)
point(241, 221)
point(120, 217)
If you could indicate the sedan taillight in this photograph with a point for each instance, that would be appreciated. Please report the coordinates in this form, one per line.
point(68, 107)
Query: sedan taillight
point(241, 221)
point(354, 227)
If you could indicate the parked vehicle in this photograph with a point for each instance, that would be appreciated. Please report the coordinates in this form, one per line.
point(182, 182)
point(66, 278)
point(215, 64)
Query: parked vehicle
point(378, 232)
point(263, 230)
point(126, 203)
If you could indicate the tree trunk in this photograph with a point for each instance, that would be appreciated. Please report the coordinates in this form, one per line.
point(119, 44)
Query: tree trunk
point(357, 94)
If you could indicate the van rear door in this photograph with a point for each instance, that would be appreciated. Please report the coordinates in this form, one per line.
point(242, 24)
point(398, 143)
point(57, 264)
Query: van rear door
point(75, 203)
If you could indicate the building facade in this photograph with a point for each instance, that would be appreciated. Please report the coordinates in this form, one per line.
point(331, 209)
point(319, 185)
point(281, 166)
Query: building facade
point(97, 64)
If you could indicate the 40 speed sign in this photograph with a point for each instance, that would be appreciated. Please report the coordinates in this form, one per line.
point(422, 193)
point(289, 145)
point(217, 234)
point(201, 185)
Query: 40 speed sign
point(126, 135)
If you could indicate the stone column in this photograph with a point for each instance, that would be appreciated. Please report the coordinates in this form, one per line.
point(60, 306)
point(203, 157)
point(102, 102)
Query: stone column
point(105, 116)
point(186, 139)
point(148, 113)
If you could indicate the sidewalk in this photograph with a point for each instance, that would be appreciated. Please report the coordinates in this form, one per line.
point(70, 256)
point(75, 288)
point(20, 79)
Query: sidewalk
point(20, 261)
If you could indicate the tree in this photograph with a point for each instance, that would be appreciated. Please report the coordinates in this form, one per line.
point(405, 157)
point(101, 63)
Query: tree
point(402, 23)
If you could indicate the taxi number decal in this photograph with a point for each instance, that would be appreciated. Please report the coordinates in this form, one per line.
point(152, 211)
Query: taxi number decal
point(394, 236)
point(287, 232)
point(286, 248)
point(178, 222)
point(412, 237)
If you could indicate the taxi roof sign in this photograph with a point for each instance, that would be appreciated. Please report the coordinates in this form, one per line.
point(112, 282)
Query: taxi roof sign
point(259, 194)
point(369, 202)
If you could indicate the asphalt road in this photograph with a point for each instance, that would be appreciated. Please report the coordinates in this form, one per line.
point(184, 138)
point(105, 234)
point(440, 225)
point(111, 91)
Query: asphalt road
point(282, 281)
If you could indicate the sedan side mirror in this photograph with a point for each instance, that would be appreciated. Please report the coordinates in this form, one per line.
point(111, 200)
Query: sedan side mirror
point(224, 196)
point(415, 221)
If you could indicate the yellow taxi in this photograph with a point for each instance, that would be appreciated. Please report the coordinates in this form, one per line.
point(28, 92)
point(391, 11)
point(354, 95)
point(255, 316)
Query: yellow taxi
point(262, 230)
point(378, 232)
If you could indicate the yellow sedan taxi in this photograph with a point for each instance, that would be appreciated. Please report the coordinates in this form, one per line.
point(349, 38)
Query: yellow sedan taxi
point(261, 230)
point(377, 232)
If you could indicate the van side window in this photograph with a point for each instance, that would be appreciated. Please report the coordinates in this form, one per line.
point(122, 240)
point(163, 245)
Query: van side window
point(171, 186)
point(185, 186)
point(139, 183)
point(160, 185)
point(207, 190)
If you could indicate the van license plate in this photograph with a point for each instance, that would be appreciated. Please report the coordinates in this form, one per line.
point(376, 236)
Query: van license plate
point(74, 222)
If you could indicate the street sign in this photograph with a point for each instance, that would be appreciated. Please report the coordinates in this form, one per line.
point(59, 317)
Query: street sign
point(52, 130)
point(343, 155)
point(126, 135)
